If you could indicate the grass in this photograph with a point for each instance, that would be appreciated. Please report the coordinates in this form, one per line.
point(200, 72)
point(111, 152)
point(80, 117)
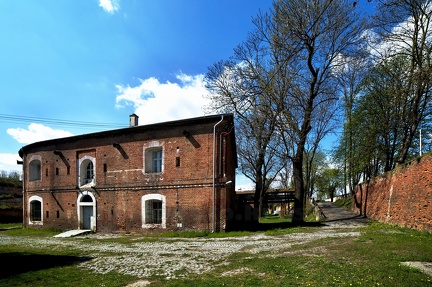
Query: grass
point(344, 202)
point(371, 259)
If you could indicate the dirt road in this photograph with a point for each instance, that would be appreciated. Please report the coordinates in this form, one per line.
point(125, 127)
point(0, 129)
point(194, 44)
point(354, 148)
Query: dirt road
point(338, 216)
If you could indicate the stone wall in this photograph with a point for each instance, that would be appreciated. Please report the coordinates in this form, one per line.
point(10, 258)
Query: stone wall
point(401, 197)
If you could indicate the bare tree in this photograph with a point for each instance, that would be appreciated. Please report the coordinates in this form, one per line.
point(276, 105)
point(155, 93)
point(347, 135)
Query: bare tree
point(15, 175)
point(318, 32)
point(244, 85)
point(350, 76)
point(280, 79)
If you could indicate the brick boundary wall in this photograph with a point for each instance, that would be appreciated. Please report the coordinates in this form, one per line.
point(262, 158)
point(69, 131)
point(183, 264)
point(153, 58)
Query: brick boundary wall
point(400, 197)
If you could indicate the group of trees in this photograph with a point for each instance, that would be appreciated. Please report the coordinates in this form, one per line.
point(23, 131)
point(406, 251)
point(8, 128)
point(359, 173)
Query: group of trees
point(11, 174)
point(304, 63)
point(387, 93)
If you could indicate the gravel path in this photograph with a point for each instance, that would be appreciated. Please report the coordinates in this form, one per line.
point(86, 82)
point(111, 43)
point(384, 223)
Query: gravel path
point(341, 217)
point(178, 257)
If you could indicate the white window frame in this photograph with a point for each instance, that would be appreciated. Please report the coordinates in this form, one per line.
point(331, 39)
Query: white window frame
point(151, 197)
point(40, 200)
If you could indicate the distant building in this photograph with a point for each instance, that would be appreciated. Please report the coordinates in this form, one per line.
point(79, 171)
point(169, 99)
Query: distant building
point(177, 175)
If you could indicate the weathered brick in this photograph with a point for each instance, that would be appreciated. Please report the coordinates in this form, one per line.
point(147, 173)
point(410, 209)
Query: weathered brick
point(121, 181)
point(401, 197)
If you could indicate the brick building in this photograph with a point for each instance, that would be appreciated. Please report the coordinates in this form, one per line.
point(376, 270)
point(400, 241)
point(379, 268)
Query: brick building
point(175, 175)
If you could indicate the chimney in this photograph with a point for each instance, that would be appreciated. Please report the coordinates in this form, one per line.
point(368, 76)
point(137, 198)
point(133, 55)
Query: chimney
point(133, 120)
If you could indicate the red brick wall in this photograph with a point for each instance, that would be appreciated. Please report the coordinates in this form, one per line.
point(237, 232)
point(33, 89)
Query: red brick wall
point(401, 197)
point(121, 181)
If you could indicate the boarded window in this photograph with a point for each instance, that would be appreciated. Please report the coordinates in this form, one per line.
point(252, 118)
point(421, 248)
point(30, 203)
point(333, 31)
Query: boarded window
point(35, 170)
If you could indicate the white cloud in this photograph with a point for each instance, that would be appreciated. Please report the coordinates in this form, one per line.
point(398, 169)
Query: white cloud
point(110, 6)
point(155, 102)
point(35, 133)
point(8, 162)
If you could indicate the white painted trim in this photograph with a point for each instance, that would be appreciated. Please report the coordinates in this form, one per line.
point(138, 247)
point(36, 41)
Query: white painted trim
point(35, 198)
point(81, 204)
point(153, 196)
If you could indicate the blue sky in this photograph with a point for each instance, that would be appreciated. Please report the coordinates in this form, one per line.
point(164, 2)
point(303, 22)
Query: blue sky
point(99, 61)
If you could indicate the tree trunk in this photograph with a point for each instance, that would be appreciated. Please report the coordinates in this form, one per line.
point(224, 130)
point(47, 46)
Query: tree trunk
point(259, 188)
point(298, 216)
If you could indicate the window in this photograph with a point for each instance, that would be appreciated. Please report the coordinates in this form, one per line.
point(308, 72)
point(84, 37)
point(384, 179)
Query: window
point(86, 198)
point(86, 172)
point(154, 210)
point(89, 173)
point(154, 160)
point(157, 161)
point(35, 210)
point(35, 170)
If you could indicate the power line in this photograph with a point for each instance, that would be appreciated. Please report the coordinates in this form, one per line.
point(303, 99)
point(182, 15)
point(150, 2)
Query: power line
point(58, 122)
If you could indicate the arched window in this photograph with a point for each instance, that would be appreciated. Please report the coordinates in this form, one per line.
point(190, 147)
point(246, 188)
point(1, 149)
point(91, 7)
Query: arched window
point(35, 170)
point(35, 210)
point(86, 170)
point(86, 198)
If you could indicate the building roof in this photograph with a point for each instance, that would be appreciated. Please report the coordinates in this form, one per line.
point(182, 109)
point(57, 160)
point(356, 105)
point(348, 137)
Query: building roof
point(122, 135)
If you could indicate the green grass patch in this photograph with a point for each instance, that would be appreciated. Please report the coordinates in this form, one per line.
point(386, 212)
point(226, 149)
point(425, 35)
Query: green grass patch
point(7, 226)
point(18, 230)
point(274, 219)
point(344, 202)
point(371, 259)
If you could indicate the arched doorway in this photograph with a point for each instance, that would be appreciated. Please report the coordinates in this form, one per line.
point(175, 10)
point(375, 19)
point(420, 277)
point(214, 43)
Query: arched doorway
point(86, 203)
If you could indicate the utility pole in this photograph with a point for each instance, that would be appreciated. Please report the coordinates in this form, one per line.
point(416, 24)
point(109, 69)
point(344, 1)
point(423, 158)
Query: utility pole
point(420, 143)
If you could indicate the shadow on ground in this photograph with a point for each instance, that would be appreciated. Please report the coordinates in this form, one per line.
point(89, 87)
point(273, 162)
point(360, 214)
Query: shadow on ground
point(15, 263)
point(271, 226)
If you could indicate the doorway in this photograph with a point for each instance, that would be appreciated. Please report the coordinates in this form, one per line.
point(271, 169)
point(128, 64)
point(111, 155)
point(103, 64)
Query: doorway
point(86, 211)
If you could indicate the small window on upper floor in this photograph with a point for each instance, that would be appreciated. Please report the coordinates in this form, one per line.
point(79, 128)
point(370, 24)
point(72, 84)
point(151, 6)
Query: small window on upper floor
point(154, 160)
point(35, 170)
point(86, 172)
